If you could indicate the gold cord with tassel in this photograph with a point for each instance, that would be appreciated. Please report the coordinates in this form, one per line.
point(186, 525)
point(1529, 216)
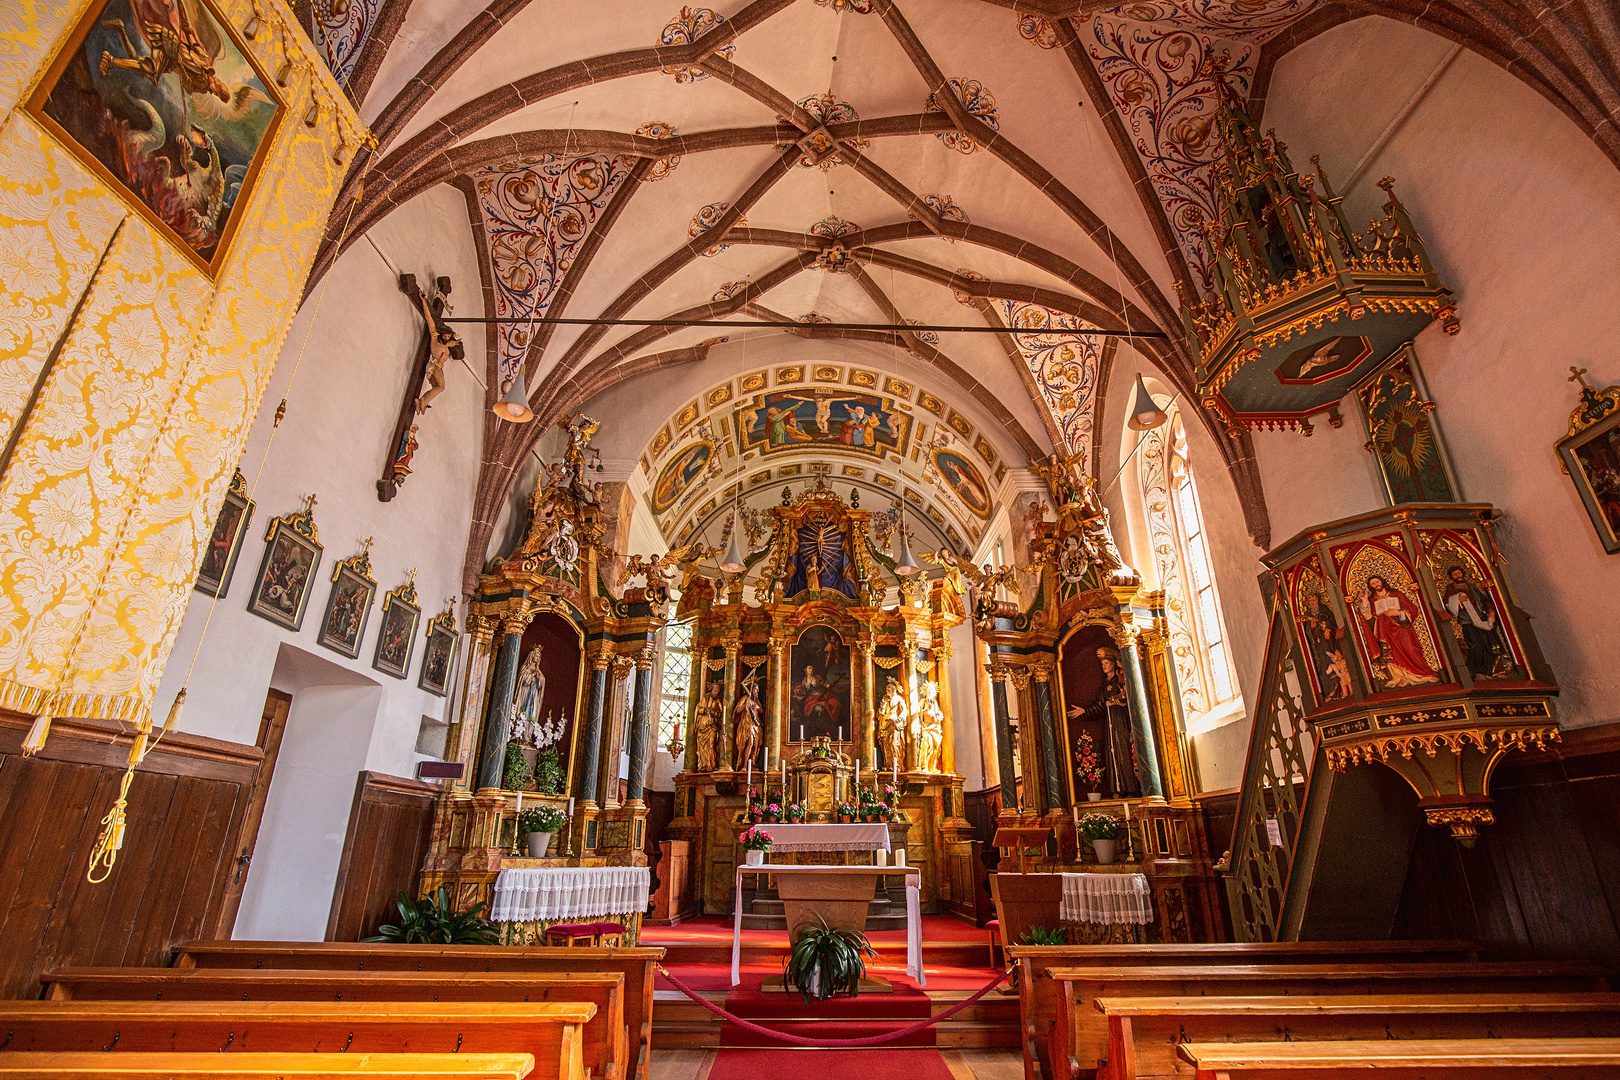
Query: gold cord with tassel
point(105, 854)
point(34, 741)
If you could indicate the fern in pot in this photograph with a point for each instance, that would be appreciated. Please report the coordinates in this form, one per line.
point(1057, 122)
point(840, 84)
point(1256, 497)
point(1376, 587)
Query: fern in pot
point(432, 921)
point(825, 961)
point(540, 826)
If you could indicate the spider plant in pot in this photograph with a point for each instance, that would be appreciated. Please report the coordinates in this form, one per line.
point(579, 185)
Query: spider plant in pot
point(825, 961)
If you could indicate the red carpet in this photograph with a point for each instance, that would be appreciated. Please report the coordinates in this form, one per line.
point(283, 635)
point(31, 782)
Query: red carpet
point(817, 1064)
point(716, 978)
point(838, 1017)
point(713, 928)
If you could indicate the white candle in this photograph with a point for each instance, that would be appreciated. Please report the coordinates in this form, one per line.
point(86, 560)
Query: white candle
point(570, 806)
point(900, 857)
point(520, 802)
point(749, 775)
point(857, 774)
point(840, 734)
point(801, 733)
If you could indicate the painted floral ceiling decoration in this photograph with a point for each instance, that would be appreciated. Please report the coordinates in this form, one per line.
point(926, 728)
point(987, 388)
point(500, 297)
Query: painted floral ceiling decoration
point(1065, 361)
point(341, 30)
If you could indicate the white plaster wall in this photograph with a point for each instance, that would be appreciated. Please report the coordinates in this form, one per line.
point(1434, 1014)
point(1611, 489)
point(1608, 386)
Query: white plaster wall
point(357, 338)
point(1521, 216)
point(965, 709)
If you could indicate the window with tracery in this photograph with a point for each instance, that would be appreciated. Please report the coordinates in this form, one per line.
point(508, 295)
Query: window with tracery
point(675, 672)
point(1197, 630)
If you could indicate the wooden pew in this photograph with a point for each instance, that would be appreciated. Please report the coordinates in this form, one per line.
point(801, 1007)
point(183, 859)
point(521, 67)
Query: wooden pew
point(1040, 1003)
point(604, 1034)
point(550, 1034)
point(638, 965)
point(81, 1066)
point(1475, 1059)
point(1144, 1033)
point(1080, 1043)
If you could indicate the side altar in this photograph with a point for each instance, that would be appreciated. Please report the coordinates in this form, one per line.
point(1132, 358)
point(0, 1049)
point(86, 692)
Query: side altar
point(816, 692)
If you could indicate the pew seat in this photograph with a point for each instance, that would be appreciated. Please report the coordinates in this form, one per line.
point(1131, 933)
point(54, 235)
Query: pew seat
point(550, 1033)
point(1145, 1033)
point(1450, 1059)
point(98, 1066)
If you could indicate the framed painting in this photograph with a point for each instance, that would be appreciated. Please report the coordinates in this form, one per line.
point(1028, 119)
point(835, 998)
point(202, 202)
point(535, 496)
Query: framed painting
point(219, 560)
point(161, 100)
point(822, 417)
point(397, 638)
point(965, 482)
point(349, 606)
point(439, 658)
point(683, 469)
point(819, 680)
point(291, 556)
point(1591, 456)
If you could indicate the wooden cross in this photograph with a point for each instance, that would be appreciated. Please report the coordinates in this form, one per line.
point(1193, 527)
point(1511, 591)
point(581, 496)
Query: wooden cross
point(1575, 374)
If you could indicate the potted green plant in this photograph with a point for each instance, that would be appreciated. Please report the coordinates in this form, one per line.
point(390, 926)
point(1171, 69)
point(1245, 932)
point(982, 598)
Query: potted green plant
point(515, 772)
point(846, 813)
point(825, 961)
point(1103, 832)
point(1043, 935)
point(430, 921)
point(755, 842)
point(794, 813)
point(540, 826)
point(548, 774)
point(773, 813)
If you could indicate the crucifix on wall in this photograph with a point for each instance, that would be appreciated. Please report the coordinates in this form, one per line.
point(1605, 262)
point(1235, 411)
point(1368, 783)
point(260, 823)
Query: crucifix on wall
point(438, 346)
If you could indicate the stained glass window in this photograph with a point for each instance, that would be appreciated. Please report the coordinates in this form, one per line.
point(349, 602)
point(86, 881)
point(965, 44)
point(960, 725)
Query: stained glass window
point(676, 671)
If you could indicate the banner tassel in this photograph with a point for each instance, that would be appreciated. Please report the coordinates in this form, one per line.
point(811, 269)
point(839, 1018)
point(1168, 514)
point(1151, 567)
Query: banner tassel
point(35, 739)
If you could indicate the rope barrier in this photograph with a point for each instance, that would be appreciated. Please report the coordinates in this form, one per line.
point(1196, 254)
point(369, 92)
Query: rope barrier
point(804, 1040)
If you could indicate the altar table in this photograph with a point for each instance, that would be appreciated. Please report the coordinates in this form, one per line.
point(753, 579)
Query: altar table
point(1110, 899)
point(789, 876)
point(528, 900)
point(801, 836)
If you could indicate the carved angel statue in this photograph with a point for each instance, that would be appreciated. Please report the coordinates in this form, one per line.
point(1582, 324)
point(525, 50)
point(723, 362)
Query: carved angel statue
point(929, 728)
point(706, 728)
point(986, 578)
point(1064, 476)
point(745, 718)
point(893, 716)
point(685, 560)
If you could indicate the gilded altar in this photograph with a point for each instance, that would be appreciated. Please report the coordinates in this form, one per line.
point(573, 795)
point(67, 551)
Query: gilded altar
point(787, 695)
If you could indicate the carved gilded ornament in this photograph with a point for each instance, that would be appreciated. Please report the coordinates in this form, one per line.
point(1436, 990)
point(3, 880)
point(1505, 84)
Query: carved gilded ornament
point(1482, 739)
point(1020, 677)
point(601, 661)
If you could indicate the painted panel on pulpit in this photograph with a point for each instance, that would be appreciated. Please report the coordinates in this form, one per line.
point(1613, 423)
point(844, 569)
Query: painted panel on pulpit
point(820, 683)
point(823, 417)
point(546, 700)
point(1097, 719)
point(1396, 638)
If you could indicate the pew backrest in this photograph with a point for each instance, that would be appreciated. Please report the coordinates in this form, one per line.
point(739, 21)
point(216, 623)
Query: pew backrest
point(81, 1066)
point(1399, 1059)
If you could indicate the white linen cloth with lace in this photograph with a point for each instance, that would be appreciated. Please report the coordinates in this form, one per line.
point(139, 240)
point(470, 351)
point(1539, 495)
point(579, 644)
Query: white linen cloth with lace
point(798, 836)
point(569, 893)
point(1109, 899)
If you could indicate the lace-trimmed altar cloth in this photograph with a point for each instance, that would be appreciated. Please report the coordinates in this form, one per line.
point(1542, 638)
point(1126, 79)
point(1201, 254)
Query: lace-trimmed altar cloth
point(553, 893)
point(1110, 899)
point(868, 836)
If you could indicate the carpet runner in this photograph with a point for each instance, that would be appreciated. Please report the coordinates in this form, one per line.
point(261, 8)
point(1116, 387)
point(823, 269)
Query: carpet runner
point(925, 1064)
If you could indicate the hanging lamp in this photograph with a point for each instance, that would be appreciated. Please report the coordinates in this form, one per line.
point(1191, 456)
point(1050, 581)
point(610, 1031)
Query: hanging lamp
point(733, 562)
point(904, 564)
point(514, 407)
point(1145, 412)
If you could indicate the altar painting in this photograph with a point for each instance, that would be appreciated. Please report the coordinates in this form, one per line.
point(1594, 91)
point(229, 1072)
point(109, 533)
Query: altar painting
point(819, 676)
point(964, 480)
point(1101, 755)
point(545, 700)
point(823, 417)
point(1398, 644)
point(160, 100)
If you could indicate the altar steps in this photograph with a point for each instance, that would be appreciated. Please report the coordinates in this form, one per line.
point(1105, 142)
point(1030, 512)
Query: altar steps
point(990, 1023)
point(764, 911)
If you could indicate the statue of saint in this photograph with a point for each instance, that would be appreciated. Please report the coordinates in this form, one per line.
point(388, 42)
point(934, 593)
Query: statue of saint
point(706, 728)
point(745, 718)
point(929, 736)
point(893, 715)
point(531, 688)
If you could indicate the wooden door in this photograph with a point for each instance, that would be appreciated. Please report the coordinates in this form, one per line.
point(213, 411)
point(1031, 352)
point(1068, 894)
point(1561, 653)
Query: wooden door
point(272, 725)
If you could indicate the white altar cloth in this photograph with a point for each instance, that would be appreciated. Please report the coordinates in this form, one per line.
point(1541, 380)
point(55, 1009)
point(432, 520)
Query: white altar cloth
point(914, 967)
point(552, 893)
point(1110, 899)
point(800, 836)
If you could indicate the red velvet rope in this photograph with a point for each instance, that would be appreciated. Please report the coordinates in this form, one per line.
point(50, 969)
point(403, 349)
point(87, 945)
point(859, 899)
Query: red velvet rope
point(803, 1040)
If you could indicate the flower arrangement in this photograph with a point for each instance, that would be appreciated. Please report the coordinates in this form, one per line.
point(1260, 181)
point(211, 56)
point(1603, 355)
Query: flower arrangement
point(548, 773)
point(755, 838)
point(547, 819)
point(515, 772)
point(756, 807)
point(847, 812)
point(867, 796)
point(1099, 827)
point(794, 812)
point(773, 812)
point(1087, 765)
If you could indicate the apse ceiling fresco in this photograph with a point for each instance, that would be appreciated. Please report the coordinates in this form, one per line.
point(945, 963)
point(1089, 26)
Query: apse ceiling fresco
point(858, 167)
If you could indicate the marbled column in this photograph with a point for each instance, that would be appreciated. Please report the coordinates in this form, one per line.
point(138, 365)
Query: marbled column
point(1004, 742)
point(942, 678)
point(498, 715)
point(728, 733)
point(590, 732)
point(908, 679)
point(1056, 789)
point(640, 727)
point(615, 719)
point(777, 702)
point(1147, 753)
point(1029, 743)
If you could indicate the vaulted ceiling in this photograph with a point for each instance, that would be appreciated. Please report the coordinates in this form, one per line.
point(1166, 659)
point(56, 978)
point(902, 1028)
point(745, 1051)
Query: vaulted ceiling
point(932, 162)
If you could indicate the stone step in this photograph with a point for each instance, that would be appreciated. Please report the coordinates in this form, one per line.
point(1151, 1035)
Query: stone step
point(779, 922)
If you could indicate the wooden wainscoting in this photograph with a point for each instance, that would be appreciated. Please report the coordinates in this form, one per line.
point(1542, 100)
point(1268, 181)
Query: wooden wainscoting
point(187, 807)
point(389, 827)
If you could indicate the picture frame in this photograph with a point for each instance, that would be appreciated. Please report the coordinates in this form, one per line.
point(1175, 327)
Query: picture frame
point(348, 606)
point(1590, 454)
point(292, 556)
point(439, 655)
point(396, 637)
point(225, 543)
point(168, 106)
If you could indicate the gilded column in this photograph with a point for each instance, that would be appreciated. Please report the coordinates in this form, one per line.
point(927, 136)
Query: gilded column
point(942, 678)
point(985, 710)
point(777, 699)
point(1050, 755)
point(498, 714)
point(590, 734)
point(1147, 753)
point(1029, 743)
point(723, 759)
point(867, 708)
point(908, 679)
point(640, 726)
point(1170, 734)
point(1004, 744)
point(463, 739)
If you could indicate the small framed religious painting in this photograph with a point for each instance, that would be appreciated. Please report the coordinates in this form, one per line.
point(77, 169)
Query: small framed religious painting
point(1591, 456)
point(349, 606)
point(292, 555)
point(439, 658)
point(219, 560)
point(397, 638)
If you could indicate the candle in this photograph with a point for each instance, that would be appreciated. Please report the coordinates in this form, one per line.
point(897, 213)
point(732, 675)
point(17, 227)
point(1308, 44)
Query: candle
point(570, 806)
point(857, 773)
point(520, 802)
point(840, 734)
point(748, 782)
point(801, 733)
point(784, 778)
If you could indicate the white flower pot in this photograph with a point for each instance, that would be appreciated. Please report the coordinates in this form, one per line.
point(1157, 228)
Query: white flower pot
point(1093, 796)
point(1104, 850)
point(538, 843)
point(753, 858)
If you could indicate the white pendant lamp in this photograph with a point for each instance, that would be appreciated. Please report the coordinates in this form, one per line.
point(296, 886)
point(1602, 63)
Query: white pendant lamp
point(904, 564)
point(1145, 412)
point(514, 407)
point(733, 562)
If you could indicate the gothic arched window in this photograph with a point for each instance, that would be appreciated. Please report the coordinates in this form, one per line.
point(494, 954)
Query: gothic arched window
point(1180, 544)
